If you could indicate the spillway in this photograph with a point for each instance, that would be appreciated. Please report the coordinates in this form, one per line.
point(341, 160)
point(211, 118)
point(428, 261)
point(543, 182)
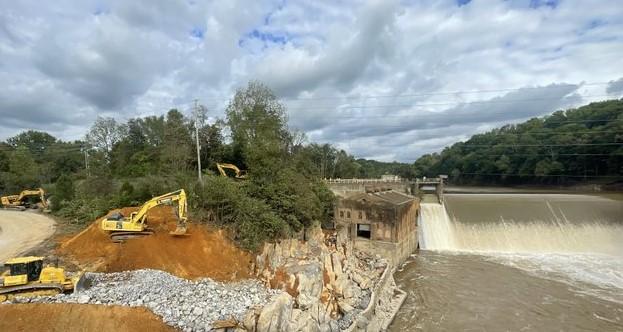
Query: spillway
point(521, 223)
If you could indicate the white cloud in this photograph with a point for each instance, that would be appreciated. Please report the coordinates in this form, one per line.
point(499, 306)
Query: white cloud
point(63, 63)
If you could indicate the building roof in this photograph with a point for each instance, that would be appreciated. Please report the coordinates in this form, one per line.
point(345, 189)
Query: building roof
point(389, 196)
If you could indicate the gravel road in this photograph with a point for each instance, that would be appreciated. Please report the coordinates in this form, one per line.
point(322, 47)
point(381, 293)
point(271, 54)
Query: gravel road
point(21, 231)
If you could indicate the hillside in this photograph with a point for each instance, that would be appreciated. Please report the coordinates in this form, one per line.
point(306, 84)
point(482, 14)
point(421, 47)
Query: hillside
point(576, 145)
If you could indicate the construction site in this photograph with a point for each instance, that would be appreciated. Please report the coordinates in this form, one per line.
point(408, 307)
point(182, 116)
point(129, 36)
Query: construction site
point(150, 267)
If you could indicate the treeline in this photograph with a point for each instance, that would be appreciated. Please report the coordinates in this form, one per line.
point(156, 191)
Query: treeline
point(123, 164)
point(583, 144)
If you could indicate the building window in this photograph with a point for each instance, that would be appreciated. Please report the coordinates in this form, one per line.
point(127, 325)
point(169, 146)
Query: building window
point(360, 215)
point(341, 214)
point(363, 230)
point(348, 214)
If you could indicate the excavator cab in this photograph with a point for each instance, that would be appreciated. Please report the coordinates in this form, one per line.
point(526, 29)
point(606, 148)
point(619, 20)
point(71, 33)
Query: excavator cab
point(30, 267)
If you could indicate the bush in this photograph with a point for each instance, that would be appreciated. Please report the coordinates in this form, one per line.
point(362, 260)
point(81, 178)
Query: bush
point(64, 191)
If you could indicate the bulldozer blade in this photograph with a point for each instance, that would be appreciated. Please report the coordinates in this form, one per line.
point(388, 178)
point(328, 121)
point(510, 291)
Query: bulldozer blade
point(84, 282)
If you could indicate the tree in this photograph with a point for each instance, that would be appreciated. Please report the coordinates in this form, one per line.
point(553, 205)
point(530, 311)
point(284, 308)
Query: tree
point(258, 125)
point(105, 133)
point(63, 192)
point(35, 141)
point(177, 149)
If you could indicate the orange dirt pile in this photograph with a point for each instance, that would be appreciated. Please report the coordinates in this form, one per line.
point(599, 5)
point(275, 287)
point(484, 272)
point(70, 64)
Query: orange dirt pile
point(202, 253)
point(78, 317)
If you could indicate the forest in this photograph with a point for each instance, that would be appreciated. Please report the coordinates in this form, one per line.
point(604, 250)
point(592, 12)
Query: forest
point(567, 147)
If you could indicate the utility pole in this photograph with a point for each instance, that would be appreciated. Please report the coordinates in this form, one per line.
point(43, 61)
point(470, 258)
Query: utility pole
point(197, 140)
point(86, 161)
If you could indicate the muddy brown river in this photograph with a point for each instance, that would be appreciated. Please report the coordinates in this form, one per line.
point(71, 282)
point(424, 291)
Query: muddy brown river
point(546, 262)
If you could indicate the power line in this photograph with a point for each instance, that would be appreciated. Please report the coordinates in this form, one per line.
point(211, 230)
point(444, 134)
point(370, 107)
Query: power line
point(493, 101)
point(442, 93)
point(537, 145)
point(543, 175)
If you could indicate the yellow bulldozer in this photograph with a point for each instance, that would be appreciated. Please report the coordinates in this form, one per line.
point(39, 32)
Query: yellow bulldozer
point(22, 200)
point(238, 174)
point(27, 277)
point(126, 227)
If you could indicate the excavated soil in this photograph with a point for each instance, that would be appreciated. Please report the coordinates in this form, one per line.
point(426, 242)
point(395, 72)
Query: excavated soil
point(78, 317)
point(202, 253)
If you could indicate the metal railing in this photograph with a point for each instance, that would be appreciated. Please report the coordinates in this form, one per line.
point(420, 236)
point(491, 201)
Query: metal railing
point(354, 181)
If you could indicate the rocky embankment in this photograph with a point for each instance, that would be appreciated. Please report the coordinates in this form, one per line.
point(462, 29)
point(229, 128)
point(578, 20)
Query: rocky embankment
point(187, 305)
point(328, 286)
point(321, 284)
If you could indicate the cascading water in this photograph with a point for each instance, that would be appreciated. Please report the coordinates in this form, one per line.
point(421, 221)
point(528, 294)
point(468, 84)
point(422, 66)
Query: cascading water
point(533, 225)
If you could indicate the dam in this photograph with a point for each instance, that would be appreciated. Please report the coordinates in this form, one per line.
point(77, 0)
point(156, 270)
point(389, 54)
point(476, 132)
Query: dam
point(530, 262)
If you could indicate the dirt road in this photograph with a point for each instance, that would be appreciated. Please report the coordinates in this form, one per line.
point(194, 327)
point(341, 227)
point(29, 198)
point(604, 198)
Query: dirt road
point(21, 231)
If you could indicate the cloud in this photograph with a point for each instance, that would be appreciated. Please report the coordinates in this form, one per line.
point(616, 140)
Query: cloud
point(615, 87)
point(383, 79)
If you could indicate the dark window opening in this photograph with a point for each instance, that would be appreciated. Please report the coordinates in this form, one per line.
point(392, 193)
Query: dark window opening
point(341, 214)
point(360, 215)
point(363, 230)
point(348, 214)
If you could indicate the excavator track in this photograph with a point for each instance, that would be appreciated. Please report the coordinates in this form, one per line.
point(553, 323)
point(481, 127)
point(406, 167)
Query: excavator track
point(14, 208)
point(7, 293)
point(121, 236)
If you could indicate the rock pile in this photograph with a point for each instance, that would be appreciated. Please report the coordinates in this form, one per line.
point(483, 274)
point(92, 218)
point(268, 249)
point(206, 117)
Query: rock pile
point(187, 305)
point(327, 283)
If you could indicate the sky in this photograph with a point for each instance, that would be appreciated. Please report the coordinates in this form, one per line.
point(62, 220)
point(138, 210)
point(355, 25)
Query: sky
point(386, 80)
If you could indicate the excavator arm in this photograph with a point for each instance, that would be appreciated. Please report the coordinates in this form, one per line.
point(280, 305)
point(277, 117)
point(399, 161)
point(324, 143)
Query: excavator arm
point(166, 199)
point(239, 174)
point(34, 192)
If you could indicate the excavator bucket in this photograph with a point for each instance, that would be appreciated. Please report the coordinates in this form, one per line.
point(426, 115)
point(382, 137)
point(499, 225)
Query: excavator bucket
point(180, 230)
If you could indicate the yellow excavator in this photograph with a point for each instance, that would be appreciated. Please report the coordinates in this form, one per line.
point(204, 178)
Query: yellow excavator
point(239, 174)
point(21, 202)
point(127, 227)
point(27, 277)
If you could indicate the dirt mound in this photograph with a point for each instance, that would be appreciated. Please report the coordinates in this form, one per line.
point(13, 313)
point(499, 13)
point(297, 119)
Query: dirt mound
point(78, 317)
point(203, 253)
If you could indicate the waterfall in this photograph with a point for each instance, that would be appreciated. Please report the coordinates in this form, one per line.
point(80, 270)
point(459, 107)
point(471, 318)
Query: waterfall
point(540, 232)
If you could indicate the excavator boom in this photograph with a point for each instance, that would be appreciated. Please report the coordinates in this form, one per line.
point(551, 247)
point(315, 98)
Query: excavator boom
point(239, 174)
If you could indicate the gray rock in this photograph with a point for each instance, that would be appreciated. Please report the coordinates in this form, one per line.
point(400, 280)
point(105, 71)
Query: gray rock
point(83, 299)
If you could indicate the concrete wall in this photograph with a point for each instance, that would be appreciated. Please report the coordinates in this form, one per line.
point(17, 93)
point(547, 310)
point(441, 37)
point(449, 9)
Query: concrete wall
point(349, 187)
point(395, 252)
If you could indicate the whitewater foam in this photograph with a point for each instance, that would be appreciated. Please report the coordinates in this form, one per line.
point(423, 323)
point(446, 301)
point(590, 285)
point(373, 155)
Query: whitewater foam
point(587, 256)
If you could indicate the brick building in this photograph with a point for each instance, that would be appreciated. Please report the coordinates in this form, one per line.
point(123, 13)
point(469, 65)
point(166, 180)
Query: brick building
point(383, 222)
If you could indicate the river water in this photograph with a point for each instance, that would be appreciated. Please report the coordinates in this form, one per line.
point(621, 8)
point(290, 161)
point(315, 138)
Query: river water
point(516, 262)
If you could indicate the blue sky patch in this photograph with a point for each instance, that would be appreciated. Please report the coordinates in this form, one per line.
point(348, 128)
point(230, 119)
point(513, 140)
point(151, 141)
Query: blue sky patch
point(266, 37)
point(544, 3)
point(462, 2)
point(197, 32)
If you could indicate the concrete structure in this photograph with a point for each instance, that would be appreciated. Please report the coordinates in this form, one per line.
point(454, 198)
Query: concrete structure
point(430, 186)
point(349, 187)
point(383, 222)
point(390, 177)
